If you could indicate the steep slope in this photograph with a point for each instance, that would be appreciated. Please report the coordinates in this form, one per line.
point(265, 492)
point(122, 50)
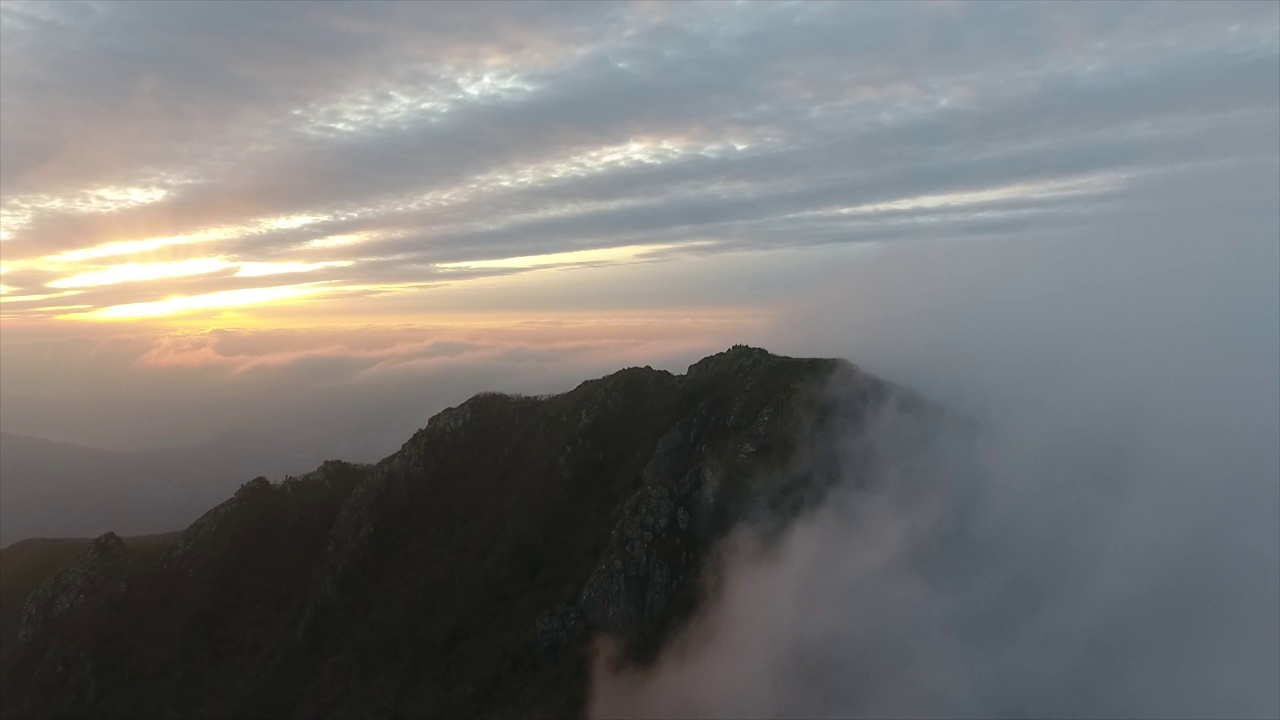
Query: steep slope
point(462, 575)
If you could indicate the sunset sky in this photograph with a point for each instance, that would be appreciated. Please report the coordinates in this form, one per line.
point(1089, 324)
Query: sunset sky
point(327, 221)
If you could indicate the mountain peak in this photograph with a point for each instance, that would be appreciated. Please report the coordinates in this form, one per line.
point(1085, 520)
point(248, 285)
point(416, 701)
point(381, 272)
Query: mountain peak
point(107, 544)
point(95, 575)
point(737, 356)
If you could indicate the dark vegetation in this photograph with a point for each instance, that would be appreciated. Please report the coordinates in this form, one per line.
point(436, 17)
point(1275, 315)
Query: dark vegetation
point(462, 576)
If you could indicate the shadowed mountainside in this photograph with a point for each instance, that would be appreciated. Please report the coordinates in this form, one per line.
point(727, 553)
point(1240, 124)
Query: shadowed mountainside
point(461, 576)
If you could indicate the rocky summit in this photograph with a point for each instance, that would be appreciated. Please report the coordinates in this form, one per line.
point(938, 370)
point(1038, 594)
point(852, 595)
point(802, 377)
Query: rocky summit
point(463, 576)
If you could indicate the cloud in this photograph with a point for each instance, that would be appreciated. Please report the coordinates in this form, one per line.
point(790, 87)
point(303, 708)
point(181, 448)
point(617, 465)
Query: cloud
point(442, 135)
point(1028, 572)
point(1106, 544)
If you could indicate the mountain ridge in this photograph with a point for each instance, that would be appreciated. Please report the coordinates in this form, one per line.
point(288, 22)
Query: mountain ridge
point(465, 573)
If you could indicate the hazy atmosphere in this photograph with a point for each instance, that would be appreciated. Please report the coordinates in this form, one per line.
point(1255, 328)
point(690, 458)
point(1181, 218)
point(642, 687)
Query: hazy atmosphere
point(315, 225)
point(305, 218)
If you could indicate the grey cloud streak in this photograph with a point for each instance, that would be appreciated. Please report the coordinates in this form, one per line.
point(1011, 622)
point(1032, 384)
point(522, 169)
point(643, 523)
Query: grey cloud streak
point(169, 77)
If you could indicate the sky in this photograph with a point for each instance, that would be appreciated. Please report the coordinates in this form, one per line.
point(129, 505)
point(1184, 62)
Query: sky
point(326, 221)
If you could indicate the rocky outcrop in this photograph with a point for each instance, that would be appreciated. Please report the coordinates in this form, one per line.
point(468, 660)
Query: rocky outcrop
point(647, 560)
point(98, 573)
point(686, 500)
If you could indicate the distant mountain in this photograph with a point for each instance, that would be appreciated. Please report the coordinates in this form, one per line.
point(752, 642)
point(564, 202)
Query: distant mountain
point(461, 576)
point(52, 489)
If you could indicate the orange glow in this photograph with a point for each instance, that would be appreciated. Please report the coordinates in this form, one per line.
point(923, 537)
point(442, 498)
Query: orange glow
point(187, 304)
point(139, 272)
point(8, 298)
point(130, 247)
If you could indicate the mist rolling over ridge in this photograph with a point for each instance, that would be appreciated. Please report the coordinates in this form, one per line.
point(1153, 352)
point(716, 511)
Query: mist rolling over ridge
point(1106, 545)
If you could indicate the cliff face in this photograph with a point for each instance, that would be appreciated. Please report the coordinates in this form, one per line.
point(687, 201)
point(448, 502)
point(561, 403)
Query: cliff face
point(462, 575)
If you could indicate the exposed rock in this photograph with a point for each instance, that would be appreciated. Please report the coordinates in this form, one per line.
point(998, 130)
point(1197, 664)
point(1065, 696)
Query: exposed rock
point(98, 572)
point(739, 359)
point(641, 568)
point(451, 419)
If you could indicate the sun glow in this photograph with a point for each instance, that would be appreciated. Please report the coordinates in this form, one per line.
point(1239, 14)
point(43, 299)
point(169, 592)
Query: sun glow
point(10, 298)
point(186, 304)
point(147, 245)
point(130, 247)
point(141, 272)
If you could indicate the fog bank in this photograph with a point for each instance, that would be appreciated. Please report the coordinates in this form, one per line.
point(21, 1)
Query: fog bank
point(1108, 545)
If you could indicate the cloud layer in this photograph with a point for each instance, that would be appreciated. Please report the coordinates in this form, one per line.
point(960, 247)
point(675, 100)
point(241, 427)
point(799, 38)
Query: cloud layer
point(349, 155)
